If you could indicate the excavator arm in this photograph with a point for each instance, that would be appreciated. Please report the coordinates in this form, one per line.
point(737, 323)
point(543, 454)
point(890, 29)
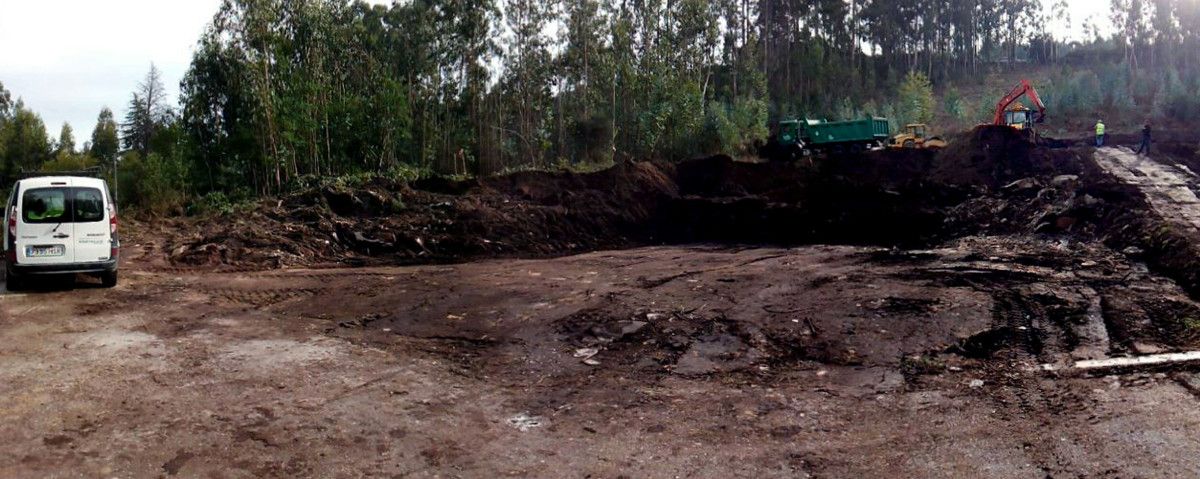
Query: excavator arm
point(1022, 89)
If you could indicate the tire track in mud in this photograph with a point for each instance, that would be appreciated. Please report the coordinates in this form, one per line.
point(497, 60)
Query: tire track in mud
point(262, 297)
point(1021, 392)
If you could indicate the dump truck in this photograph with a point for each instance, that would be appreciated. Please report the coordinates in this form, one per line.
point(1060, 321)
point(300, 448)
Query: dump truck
point(796, 138)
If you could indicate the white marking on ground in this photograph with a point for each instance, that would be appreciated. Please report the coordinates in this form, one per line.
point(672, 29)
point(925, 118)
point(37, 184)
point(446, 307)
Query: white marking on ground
point(1152, 360)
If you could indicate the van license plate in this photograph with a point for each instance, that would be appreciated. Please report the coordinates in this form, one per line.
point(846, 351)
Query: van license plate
point(44, 251)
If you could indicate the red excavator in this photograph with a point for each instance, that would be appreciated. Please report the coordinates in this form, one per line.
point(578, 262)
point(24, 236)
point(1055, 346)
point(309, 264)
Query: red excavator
point(1011, 113)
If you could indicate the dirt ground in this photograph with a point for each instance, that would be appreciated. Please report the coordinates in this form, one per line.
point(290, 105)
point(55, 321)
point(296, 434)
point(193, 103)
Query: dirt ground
point(833, 347)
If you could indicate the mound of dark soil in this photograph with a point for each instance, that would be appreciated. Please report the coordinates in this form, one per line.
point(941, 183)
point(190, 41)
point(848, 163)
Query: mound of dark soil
point(989, 156)
point(875, 198)
point(989, 181)
point(528, 213)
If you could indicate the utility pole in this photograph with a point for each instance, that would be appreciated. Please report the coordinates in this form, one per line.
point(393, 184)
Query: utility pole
point(115, 183)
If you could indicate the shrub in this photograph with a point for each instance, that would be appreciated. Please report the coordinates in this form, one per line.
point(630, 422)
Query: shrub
point(1175, 99)
point(218, 203)
point(1182, 106)
point(736, 129)
point(846, 110)
point(67, 161)
point(954, 105)
point(155, 183)
point(916, 99)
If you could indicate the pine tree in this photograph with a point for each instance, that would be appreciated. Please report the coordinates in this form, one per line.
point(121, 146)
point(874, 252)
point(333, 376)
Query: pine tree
point(147, 113)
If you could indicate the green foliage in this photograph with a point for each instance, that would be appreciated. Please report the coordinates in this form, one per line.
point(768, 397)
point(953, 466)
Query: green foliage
point(66, 160)
point(846, 110)
point(294, 93)
point(105, 143)
point(154, 183)
point(985, 107)
point(916, 99)
point(6, 104)
point(218, 203)
point(66, 139)
point(282, 89)
point(397, 173)
point(955, 105)
point(870, 109)
point(147, 113)
point(1086, 95)
point(892, 114)
point(1182, 106)
point(23, 141)
point(735, 130)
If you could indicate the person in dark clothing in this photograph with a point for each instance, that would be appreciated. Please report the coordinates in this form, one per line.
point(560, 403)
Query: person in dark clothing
point(1145, 140)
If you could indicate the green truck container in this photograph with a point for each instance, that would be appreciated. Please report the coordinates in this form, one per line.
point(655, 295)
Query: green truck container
point(797, 137)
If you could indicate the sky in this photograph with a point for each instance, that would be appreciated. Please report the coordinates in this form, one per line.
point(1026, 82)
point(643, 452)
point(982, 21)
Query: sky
point(69, 58)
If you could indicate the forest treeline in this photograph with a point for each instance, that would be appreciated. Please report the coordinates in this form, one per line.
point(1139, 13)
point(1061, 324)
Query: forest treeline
point(281, 93)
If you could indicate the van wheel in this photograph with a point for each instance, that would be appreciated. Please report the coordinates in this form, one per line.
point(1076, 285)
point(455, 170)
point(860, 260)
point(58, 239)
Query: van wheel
point(108, 278)
point(13, 282)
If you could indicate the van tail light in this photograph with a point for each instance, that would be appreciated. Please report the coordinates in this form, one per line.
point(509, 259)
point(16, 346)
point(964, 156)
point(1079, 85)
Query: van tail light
point(112, 229)
point(12, 235)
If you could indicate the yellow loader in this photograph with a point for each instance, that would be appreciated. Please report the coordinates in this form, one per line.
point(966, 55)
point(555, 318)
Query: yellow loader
point(914, 136)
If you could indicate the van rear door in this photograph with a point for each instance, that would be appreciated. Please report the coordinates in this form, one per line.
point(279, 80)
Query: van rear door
point(45, 233)
point(92, 229)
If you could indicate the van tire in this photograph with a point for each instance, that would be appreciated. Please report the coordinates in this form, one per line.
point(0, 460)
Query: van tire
point(13, 282)
point(108, 278)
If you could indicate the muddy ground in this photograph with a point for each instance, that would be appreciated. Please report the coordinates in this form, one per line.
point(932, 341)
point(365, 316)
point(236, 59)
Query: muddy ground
point(897, 314)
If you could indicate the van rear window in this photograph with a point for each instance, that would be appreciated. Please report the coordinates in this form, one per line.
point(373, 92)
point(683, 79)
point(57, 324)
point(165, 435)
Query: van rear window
point(89, 204)
point(62, 205)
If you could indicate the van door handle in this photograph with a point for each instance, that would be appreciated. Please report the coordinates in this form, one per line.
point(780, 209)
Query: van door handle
point(62, 235)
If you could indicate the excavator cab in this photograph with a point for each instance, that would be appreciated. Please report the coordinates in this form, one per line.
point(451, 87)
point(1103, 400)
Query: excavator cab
point(1012, 114)
point(1019, 117)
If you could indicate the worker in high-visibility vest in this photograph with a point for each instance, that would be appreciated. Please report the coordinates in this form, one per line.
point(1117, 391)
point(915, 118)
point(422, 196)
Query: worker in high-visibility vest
point(1099, 133)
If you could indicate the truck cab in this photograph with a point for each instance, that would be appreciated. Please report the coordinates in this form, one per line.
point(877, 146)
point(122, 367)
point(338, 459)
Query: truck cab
point(60, 225)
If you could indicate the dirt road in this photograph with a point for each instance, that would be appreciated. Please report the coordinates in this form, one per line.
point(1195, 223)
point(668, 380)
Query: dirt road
point(946, 351)
point(1168, 187)
point(822, 361)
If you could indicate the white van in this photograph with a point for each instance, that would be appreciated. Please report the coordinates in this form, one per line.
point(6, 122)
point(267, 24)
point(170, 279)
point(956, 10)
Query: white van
point(60, 225)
